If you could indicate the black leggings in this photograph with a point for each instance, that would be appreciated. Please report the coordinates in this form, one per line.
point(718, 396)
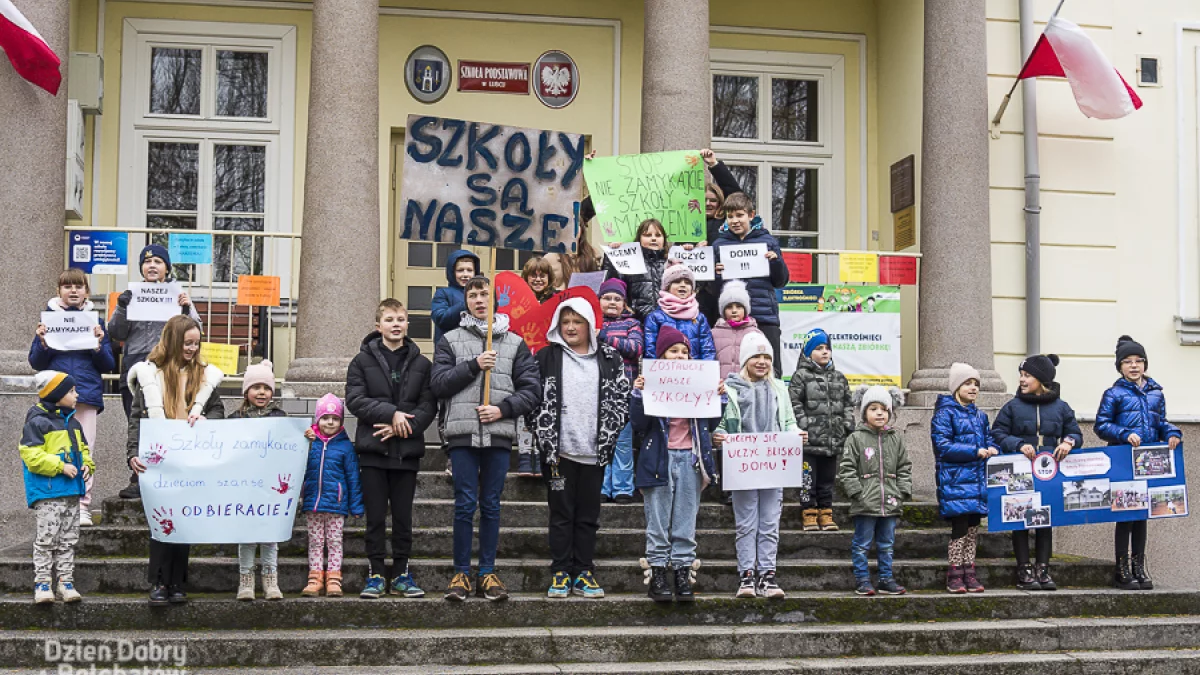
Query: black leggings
point(960, 524)
point(384, 490)
point(824, 476)
point(1130, 529)
point(1042, 538)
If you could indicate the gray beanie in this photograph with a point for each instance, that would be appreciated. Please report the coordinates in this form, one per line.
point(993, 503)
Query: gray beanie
point(731, 292)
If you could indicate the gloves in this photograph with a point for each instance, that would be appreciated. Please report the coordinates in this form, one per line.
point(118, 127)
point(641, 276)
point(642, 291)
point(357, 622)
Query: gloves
point(124, 298)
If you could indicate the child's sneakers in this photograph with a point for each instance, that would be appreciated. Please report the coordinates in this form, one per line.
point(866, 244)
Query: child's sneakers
point(767, 588)
point(271, 586)
point(747, 587)
point(66, 591)
point(460, 587)
point(864, 587)
point(407, 586)
point(316, 582)
point(85, 518)
point(560, 585)
point(42, 594)
point(586, 585)
point(245, 586)
point(491, 588)
point(890, 587)
point(375, 587)
point(333, 584)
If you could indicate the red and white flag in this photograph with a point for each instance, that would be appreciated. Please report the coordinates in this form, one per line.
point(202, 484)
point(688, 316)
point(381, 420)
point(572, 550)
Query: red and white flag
point(1064, 50)
point(31, 57)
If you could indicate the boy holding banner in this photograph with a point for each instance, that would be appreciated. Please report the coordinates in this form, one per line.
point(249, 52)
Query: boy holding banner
point(758, 403)
point(87, 366)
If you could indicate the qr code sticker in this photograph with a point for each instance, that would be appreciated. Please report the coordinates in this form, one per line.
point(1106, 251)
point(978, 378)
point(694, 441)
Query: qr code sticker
point(81, 253)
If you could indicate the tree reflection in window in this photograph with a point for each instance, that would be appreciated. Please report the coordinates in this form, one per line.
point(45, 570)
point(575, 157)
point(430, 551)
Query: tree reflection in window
point(241, 84)
point(243, 250)
point(239, 203)
point(794, 110)
point(794, 205)
point(172, 180)
point(747, 178)
point(734, 106)
point(175, 81)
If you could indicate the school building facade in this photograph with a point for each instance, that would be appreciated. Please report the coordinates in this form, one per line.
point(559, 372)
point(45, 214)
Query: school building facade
point(287, 117)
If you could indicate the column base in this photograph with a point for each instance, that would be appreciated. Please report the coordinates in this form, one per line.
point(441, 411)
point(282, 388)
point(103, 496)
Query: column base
point(928, 383)
point(15, 373)
point(315, 377)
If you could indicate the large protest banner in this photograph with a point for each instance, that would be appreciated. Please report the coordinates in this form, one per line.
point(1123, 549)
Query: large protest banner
point(222, 481)
point(682, 388)
point(667, 186)
point(1090, 485)
point(491, 185)
point(762, 461)
point(863, 323)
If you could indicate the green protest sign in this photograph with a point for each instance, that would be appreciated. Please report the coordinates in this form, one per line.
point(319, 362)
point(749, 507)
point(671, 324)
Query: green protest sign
point(628, 189)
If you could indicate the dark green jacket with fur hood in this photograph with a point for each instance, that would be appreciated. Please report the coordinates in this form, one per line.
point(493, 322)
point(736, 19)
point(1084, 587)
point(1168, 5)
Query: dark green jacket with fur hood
point(875, 472)
point(821, 400)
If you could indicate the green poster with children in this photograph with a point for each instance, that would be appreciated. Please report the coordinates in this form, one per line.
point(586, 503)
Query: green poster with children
point(863, 323)
point(667, 186)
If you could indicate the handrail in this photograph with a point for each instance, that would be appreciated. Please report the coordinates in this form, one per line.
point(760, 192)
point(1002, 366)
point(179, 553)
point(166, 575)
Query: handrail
point(836, 251)
point(176, 230)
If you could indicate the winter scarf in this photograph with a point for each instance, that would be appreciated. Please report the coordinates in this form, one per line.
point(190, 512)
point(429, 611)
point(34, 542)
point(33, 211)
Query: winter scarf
point(756, 400)
point(676, 308)
point(499, 324)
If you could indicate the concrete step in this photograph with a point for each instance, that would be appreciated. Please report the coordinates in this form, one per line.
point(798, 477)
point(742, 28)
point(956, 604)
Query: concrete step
point(535, 514)
point(1139, 662)
point(614, 644)
point(220, 575)
point(531, 542)
point(209, 612)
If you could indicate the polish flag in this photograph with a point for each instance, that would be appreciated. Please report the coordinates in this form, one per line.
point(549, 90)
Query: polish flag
point(1064, 50)
point(31, 57)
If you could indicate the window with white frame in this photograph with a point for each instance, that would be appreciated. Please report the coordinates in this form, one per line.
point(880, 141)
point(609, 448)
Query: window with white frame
point(207, 116)
point(778, 123)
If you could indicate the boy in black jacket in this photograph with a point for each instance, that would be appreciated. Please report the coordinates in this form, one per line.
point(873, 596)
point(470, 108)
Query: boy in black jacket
point(387, 389)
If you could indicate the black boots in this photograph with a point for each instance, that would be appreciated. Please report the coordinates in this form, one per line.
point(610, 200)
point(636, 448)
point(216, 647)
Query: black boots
point(131, 491)
point(1122, 578)
point(1042, 572)
point(158, 595)
point(1140, 575)
point(683, 585)
point(1027, 579)
point(660, 590)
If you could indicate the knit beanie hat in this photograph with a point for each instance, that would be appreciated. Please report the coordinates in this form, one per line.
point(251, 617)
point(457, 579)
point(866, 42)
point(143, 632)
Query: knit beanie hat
point(676, 271)
point(888, 397)
point(260, 373)
point(154, 251)
point(53, 385)
point(734, 291)
point(1126, 347)
point(1041, 366)
point(668, 336)
point(960, 373)
point(754, 344)
point(329, 404)
point(613, 286)
point(815, 338)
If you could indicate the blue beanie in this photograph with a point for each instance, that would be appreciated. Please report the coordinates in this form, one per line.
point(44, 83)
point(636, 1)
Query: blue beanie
point(154, 251)
point(815, 338)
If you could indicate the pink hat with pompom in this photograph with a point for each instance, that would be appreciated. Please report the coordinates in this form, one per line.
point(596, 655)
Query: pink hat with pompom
point(329, 404)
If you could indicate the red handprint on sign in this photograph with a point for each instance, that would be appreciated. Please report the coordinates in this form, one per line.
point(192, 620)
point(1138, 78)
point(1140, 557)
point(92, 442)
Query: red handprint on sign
point(163, 518)
point(284, 484)
point(157, 454)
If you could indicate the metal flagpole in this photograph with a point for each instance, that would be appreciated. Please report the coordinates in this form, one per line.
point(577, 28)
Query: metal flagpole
point(1008, 96)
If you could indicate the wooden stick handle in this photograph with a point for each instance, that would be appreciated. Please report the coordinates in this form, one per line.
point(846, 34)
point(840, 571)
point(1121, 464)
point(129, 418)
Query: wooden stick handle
point(491, 318)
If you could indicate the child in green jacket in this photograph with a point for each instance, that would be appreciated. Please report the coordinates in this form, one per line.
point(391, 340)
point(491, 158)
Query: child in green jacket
point(876, 475)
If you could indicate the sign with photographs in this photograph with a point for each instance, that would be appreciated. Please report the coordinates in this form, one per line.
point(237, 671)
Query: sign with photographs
point(1090, 485)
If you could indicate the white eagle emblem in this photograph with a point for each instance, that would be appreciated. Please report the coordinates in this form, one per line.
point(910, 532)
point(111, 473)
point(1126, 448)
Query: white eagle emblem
point(556, 80)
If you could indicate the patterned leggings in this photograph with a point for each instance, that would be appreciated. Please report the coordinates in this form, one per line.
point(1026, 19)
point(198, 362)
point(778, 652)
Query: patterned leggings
point(57, 535)
point(325, 531)
point(964, 540)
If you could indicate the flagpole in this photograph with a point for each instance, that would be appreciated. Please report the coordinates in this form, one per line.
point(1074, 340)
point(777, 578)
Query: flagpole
point(1008, 97)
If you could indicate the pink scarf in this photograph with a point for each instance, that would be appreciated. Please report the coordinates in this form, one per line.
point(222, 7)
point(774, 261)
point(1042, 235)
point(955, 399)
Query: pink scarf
point(739, 324)
point(676, 308)
point(316, 428)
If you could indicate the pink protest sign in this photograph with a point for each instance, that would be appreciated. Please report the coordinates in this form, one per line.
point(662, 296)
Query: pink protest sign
point(762, 461)
point(682, 388)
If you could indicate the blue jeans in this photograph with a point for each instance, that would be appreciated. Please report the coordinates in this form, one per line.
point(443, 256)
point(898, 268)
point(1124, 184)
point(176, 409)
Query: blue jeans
point(671, 512)
point(883, 532)
point(478, 481)
point(618, 475)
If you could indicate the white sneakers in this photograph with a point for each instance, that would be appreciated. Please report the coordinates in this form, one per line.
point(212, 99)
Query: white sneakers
point(85, 518)
point(67, 593)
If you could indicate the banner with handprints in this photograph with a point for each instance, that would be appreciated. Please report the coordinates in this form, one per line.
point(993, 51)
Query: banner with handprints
point(666, 186)
point(222, 481)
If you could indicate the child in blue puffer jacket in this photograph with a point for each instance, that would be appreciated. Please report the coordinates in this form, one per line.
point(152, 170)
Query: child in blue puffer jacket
point(1134, 412)
point(962, 444)
point(331, 492)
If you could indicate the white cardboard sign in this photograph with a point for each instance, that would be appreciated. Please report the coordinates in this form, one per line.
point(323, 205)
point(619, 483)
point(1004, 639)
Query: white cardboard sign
point(222, 481)
point(699, 260)
point(627, 258)
point(762, 461)
point(682, 388)
point(153, 302)
point(745, 261)
point(71, 331)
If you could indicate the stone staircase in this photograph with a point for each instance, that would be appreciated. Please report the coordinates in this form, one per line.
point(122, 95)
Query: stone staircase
point(821, 628)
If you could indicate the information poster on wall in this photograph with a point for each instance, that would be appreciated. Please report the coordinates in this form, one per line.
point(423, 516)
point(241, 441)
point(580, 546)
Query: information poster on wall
point(222, 481)
point(863, 323)
point(682, 388)
point(762, 461)
point(1091, 485)
point(190, 249)
point(221, 355)
point(666, 186)
point(482, 184)
point(100, 252)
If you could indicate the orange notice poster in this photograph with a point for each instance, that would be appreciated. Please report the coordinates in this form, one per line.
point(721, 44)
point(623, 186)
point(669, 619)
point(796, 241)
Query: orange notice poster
point(258, 291)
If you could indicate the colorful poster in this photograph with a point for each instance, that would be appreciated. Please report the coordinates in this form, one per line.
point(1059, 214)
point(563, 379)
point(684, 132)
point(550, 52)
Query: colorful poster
point(897, 270)
point(69, 331)
point(100, 252)
point(682, 388)
point(486, 184)
point(153, 301)
point(222, 481)
point(667, 186)
point(863, 323)
point(800, 267)
point(190, 249)
point(258, 291)
point(221, 355)
point(1090, 485)
point(762, 461)
point(858, 268)
point(699, 260)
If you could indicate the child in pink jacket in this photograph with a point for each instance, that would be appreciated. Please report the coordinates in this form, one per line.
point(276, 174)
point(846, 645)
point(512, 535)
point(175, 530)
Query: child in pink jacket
point(733, 326)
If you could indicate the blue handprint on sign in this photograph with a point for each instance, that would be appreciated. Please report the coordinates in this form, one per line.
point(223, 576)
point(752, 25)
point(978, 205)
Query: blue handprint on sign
point(503, 300)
